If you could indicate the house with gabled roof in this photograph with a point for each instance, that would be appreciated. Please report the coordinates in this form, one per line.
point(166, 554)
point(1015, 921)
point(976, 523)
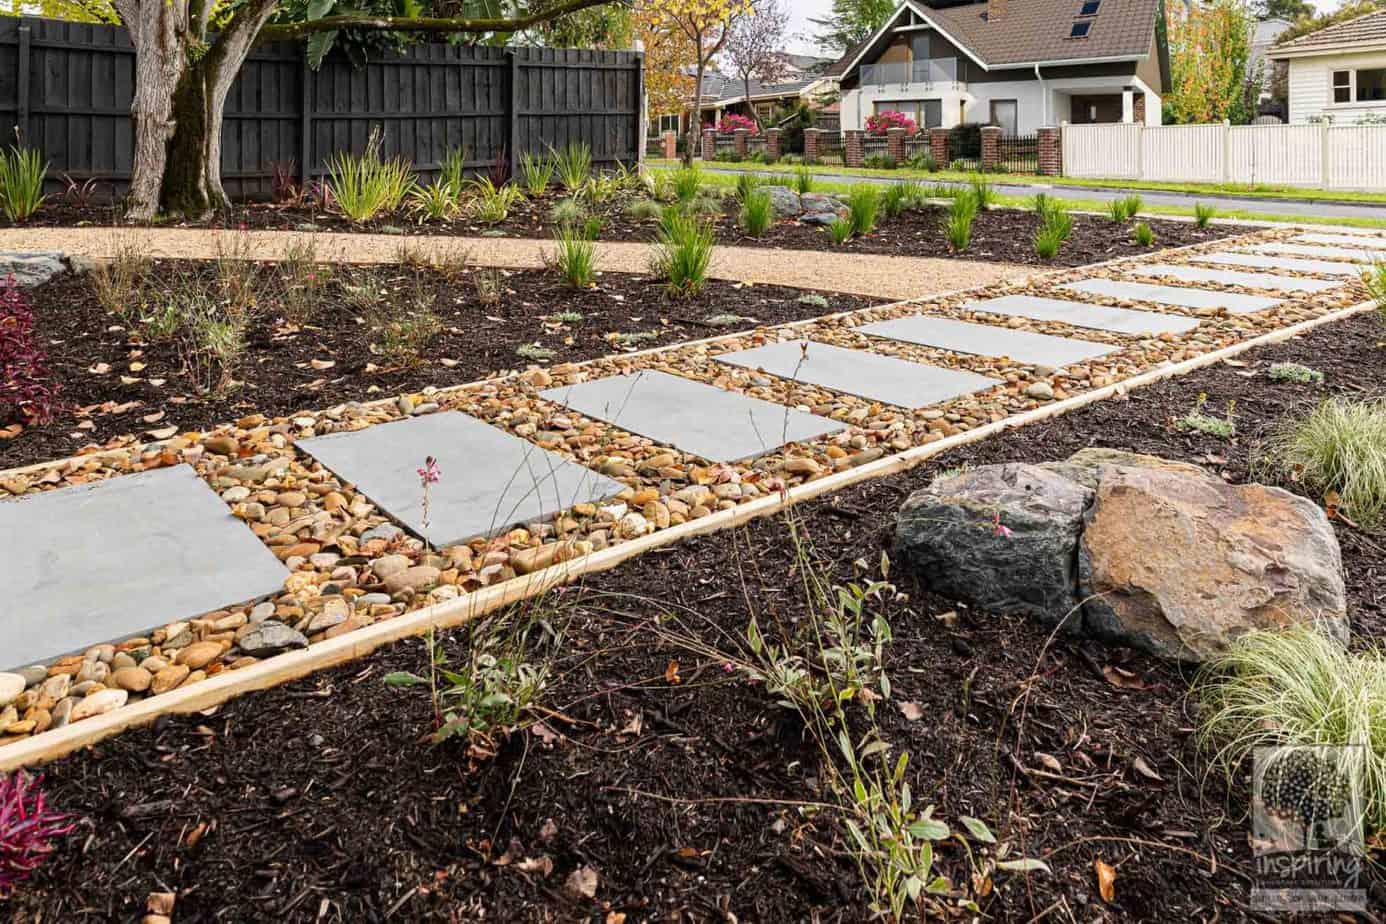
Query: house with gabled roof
point(1019, 64)
point(1337, 74)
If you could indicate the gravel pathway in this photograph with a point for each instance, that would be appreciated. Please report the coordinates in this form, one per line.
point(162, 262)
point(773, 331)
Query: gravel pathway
point(855, 274)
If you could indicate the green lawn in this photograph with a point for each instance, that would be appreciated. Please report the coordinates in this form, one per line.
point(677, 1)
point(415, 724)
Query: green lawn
point(1262, 191)
point(727, 178)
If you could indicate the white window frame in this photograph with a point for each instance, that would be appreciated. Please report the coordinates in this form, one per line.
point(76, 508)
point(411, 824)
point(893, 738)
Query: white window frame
point(663, 119)
point(1352, 101)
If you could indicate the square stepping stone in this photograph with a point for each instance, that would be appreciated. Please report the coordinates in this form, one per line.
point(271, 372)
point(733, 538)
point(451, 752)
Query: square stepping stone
point(1314, 250)
point(1173, 295)
point(1082, 314)
point(1233, 277)
point(106, 561)
point(1351, 240)
point(708, 422)
point(491, 479)
point(861, 373)
point(1264, 261)
point(985, 340)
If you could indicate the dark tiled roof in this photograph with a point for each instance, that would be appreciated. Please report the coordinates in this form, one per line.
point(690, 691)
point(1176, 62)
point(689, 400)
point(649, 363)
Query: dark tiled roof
point(1364, 30)
point(735, 90)
point(839, 67)
point(1038, 30)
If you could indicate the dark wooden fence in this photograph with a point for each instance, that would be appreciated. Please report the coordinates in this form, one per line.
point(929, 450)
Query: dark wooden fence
point(66, 88)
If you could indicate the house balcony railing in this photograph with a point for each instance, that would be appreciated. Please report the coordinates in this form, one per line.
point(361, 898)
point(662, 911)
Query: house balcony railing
point(903, 73)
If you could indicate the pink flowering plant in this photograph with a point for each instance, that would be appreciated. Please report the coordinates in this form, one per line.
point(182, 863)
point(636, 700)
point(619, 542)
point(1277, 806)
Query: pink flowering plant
point(29, 829)
point(27, 393)
point(882, 122)
point(732, 122)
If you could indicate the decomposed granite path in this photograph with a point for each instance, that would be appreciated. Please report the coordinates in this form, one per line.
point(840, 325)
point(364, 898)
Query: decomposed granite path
point(854, 274)
point(270, 536)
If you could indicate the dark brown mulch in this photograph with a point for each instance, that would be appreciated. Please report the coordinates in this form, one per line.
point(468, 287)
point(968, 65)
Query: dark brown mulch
point(660, 771)
point(1001, 235)
point(277, 375)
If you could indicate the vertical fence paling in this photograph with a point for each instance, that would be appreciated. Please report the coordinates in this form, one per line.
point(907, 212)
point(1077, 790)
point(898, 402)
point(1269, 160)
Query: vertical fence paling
point(67, 88)
point(1343, 157)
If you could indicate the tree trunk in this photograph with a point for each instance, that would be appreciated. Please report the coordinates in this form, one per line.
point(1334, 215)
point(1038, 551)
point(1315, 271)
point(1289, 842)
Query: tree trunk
point(159, 32)
point(192, 180)
point(695, 121)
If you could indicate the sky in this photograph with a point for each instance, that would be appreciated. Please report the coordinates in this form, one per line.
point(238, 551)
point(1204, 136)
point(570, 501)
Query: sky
point(800, 29)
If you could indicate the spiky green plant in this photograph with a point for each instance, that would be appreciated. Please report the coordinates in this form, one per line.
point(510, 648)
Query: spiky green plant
point(746, 184)
point(22, 172)
point(840, 231)
point(575, 257)
point(573, 164)
point(757, 213)
point(538, 172)
point(803, 180)
point(1203, 214)
point(436, 201)
point(960, 218)
point(644, 210)
point(1144, 235)
point(683, 252)
point(453, 170)
point(863, 206)
point(1047, 242)
point(367, 185)
point(1336, 450)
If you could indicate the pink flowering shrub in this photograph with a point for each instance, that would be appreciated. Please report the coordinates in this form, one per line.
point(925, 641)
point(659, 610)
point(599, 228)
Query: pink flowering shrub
point(29, 829)
point(882, 122)
point(732, 122)
point(26, 394)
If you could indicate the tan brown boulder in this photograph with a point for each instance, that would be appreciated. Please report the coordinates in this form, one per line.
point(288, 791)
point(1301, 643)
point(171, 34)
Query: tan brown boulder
point(1175, 561)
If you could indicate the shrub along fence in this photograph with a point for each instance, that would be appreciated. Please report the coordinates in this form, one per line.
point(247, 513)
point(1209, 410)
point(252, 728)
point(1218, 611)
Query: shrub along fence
point(1318, 155)
point(66, 89)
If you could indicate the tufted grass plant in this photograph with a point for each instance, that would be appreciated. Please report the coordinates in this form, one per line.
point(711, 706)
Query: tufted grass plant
point(746, 184)
point(960, 218)
point(575, 257)
point(898, 197)
point(452, 170)
point(840, 231)
point(1375, 279)
point(567, 212)
point(538, 173)
point(1203, 214)
point(863, 207)
point(757, 213)
point(1143, 234)
point(644, 210)
point(573, 164)
point(683, 252)
point(492, 204)
point(22, 172)
point(803, 180)
point(436, 201)
point(367, 185)
point(1047, 242)
point(1297, 687)
point(1337, 450)
point(688, 182)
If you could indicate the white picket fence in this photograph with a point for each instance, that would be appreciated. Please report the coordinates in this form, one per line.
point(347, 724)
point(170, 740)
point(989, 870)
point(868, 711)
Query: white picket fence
point(1348, 157)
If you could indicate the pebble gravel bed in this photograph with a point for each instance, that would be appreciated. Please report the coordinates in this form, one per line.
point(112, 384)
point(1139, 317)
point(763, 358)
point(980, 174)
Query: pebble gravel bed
point(352, 567)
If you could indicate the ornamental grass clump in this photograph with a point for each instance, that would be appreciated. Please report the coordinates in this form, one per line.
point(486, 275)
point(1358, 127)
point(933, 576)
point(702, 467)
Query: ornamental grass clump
point(29, 829)
point(863, 207)
point(757, 213)
point(367, 185)
point(538, 173)
point(1375, 279)
point(688, 182)
point(960, 218)
point(982, 191)
point(803, 180)
point(1203, 214)
point(683, 253)
point(1336, 450)
point(1298, 688)
point(436, 201)
point(746, 184)
point(1143, 234)
point(573, 164)
point(22, 172)
point(575, 257)
point(27, 394)
point(840, 231)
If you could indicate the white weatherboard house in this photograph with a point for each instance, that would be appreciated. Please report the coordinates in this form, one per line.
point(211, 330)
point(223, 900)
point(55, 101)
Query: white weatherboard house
point(1019, 64)
point(1338, 74)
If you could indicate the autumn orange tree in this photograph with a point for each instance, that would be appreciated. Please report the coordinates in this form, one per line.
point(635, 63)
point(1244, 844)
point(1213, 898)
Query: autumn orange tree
point(1211, 74)
point(705, 26)
point(668, 60)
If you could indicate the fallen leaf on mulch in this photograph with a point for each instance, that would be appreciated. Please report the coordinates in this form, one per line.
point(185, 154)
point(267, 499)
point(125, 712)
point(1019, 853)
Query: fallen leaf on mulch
point(99, 369)
point(671, 673)
point(911, 711)
point(160, 902)
point(1123, 678)
point(582, 883)
point(1050, 762)
point(1145, 770)
point(1106, 881)
point(10, 432)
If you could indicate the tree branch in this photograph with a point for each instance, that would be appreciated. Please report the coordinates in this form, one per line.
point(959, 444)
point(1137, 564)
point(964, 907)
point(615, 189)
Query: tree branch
point(298, 30)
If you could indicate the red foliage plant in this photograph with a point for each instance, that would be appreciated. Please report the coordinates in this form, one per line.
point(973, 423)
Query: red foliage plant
point(25, 391)
point(29, 829)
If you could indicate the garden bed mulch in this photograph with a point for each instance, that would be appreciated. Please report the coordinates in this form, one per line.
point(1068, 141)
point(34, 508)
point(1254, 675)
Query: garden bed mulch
point(116, 379)
point(999, 235)
point(672, 781)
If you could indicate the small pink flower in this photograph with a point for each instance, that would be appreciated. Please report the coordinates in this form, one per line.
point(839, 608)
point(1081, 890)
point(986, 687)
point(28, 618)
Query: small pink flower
point(430, 473)
point(726, 667)
point(998, 528)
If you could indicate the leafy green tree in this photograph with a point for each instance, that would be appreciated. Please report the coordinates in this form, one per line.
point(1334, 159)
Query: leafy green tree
point(1288, 10)
point(852, 22)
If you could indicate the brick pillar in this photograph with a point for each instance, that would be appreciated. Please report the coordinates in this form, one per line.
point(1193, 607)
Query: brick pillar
point(854, 154)
point(1138, 109)
point(772, 144)
point(811, 136)
point(938, 146)
point(1051, 151)
point(709, 145)
point(991, 147)
point(741, 141)
point(895, 145)
point(671, 145)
